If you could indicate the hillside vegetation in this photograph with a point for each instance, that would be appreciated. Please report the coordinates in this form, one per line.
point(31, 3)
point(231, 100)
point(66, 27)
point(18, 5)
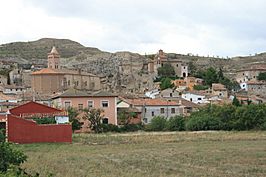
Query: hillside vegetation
point(39, 49)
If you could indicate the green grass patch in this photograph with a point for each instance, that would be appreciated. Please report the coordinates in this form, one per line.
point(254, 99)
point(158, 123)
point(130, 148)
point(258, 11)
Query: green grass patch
point(214, 153)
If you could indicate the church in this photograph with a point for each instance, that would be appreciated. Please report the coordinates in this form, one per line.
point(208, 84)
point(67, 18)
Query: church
point(55, 79)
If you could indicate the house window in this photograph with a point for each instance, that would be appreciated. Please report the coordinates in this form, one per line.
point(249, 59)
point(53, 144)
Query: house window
point(68, 82)
point(145, 120)
point(152, 113)
point(90, 104)
point(85, 83)
point(171, 95)
point(105, 104)
point(172, 110)
point(80, 106)
point(162, 110)
point(176, 65)
point(67, 104)
point(105, 120)
point(199, 99)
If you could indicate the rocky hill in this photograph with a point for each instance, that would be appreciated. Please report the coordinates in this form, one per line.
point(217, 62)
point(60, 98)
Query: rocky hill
point(121, 69)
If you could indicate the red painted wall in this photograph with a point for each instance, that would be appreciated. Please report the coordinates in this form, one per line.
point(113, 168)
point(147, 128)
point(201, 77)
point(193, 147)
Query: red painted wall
point(33, 108)
point(26, 131)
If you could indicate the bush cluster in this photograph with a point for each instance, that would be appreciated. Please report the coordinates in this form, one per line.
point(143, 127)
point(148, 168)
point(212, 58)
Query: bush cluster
point(121, 129)
point(213, 117)
point(228, 117)
point(45, 120)
point(9, 156)
point(159, 123)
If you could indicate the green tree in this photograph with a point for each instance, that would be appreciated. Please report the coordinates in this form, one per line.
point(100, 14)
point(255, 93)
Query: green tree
point(72, 114)
point(210, 76)
point(166, 83)
point(122, 117)
point(262, 76)
point(167, 70)
point(158, 123)
point(236, 102)
point(200, 87)
point(95, 116)
point(9, 156)
point(176, 123)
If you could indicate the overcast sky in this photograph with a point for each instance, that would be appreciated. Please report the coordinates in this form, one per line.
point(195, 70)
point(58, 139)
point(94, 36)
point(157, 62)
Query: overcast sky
point(204, 27)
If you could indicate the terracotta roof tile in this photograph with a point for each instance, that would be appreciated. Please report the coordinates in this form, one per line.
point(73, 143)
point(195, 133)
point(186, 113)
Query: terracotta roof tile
point(47, 71)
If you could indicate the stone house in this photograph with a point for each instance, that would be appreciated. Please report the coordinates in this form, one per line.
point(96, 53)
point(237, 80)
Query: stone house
point(256, 88)
point(14, 90)
point(219, 90)
point(151, 108)
point(168, 93)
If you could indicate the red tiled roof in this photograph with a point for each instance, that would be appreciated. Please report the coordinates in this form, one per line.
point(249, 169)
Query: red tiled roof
point(32, 108)
point(47, 71)
point(151, 102)
point(61, 71)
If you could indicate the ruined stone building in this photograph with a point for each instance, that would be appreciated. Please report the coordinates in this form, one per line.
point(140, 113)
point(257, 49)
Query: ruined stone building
point(181, 68)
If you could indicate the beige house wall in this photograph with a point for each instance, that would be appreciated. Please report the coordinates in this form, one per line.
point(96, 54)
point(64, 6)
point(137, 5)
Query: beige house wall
point(53, 83)
point(47, 84)
point(82, 82)
point(110, 112)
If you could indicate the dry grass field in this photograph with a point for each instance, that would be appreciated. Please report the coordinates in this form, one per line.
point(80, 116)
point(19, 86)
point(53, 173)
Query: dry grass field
point(152, 154)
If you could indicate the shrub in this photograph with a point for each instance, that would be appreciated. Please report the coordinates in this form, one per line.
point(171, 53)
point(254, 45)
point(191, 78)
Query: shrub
point(45, 120)
point(200, 87)
point(203, 121)
point(176, 123)
point(228, 117)
point(9, 156)
point(132, 127)
point(250, 117)
point(109, 128)
point(2, 135)
point(158, 123)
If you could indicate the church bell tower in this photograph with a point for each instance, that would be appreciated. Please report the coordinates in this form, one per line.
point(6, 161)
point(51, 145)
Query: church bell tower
point(54, 59)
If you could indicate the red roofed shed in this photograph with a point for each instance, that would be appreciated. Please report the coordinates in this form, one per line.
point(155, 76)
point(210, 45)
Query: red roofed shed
point(32, 109)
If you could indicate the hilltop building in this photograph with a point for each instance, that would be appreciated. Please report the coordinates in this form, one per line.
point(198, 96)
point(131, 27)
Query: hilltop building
point(181, 69)
point(54, 79)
